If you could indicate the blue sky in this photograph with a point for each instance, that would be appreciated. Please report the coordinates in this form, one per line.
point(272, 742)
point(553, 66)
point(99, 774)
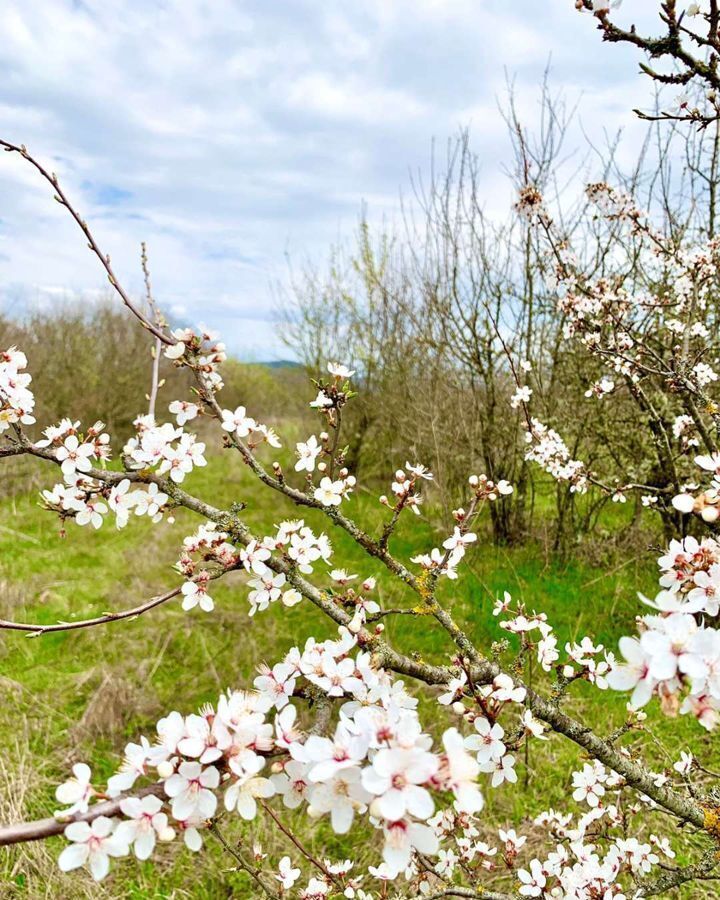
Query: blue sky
point(229, 134)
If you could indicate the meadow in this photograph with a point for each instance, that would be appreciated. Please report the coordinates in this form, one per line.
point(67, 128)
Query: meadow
point(82, 695)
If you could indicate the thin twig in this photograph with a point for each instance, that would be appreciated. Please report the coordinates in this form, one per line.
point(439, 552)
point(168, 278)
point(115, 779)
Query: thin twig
point(158, 319)
point(305, 852)
point(241, 861)
point(62, 199)
point(36, 630)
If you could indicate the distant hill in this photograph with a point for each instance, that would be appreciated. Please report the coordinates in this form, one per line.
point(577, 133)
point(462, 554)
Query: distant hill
point(280, 364)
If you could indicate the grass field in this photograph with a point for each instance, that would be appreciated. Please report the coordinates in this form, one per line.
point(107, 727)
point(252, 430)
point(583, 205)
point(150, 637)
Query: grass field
point(82, 695)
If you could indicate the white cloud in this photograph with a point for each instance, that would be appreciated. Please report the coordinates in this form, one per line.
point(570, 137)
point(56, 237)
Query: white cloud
point(226, 133)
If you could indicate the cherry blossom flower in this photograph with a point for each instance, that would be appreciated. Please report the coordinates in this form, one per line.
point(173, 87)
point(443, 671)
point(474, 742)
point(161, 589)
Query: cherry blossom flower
point(76, 791)
point(292, 783)
point(170, 731)
point(307, 453)
point(265, 590)
point(121, 502)
point(521, 395)
point(268, 435)
point(91, 512)
point(242, 795)
point(315, 890)
point(706, 590)
point(487, 743)
point(341, 795)
point(183, 411)
point(329, 493)
point(74, 456)
point(447, 861)
point(396, 778)
point(92, 846)
point(532, 882)
point(150, 502)
point(533, 726)
point(502, 769)
point(685, 763)
point(336, 678)
point(341, 576)
point(588, 785)
point(322, 401)
point(455, 690)
point(458, 539)
point(254, 556)
point(287, 876)
point(135, 763)
point(504, 690)
point(205, 737)
point(513, 842)
point(191, 790)
point(462, 774)
point(419, 471)
point(337, 370)
point(277, 684)
point(145, 824)
point(673, 648)
point(195, 594)
point(286, 731)
point(327, 756)
point(238, 421)
point(401, 838)
point(291, 597)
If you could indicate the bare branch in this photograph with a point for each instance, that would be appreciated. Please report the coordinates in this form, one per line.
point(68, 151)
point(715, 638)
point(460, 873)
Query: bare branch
point(62, 199)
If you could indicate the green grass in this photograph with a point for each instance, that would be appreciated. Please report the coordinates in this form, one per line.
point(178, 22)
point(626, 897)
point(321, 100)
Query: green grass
point(82, 695)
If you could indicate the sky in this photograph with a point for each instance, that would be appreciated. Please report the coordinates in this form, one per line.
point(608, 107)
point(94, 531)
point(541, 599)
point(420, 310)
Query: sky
point(235, 135)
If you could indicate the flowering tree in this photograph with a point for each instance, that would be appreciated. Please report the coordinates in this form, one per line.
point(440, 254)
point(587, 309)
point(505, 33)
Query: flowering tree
point(383, 743)
point(444, 315)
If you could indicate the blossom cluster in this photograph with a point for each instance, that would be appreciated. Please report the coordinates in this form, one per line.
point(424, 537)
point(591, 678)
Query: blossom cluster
point(594, 851)
point(209, 552)
point(445, 560)
point(202, 351)
point(584, 660)
point(16, 399)
point(250, 747)
point(548, 450)
point(299, 546)
point(239, 423)
point(81, 496)
point(334, 394)
point(690, 576)
point(593, 856)
point(167, 448)
point(405, 488)
point(332, 492)
point(677, 656)
point(705, 504)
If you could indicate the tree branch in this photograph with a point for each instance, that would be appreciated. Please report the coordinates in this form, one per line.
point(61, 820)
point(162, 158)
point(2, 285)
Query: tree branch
point(62, 199)
point(50, 827)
